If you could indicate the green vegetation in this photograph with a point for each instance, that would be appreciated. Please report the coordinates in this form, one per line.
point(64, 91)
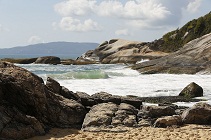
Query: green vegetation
point(196, 28)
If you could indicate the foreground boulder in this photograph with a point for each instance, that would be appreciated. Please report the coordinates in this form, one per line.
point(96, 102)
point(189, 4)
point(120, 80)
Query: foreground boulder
point(48, 60)
point(200, 113)
point(110, 117)
point(192, 90)
point(23, 93)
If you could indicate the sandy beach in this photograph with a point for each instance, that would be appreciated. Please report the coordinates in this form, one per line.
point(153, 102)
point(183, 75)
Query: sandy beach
point(187, 132)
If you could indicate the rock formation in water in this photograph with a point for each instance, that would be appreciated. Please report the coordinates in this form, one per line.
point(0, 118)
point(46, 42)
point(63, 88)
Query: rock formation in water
point(124, 51)
point(193, 58)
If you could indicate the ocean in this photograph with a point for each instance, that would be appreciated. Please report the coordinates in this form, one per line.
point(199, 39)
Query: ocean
point(118, 79)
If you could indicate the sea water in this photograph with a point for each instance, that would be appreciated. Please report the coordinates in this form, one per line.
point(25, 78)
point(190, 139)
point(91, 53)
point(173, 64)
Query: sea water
point(119, 80)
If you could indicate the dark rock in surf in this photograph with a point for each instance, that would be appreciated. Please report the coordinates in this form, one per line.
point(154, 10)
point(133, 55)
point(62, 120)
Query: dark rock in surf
point(192, 90)
point(48, 60)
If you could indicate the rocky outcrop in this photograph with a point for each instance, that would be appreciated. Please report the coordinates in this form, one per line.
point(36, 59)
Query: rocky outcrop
point(110, 117)
point(193, 58)
point(192, 90)
point(103, 97)
point(28, 106)
point(200, 113)
point(124, 51)
point(48, 60)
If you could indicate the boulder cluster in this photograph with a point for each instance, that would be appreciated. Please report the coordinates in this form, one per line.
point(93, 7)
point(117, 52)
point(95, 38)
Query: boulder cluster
point(30, 107)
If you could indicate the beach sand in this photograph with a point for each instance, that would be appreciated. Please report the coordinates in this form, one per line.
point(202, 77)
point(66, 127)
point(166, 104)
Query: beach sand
point(187, 132)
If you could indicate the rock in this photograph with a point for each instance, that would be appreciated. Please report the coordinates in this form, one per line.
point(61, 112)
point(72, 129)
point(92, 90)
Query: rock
point(20, 61)
point(55, 87)
point(158, 111)
point(99, 115)
point(194, 57)
point(48, 60)
point(126, 115)
point(124, 51)
point(86, 99)
point(192, 90)
point(63, 112)
point(24, 90)
point(110, 117)
point(103, 97)
point(167, 121)
point(37, 104)
point(200, 113)
point(16, 125)
point(132, 101)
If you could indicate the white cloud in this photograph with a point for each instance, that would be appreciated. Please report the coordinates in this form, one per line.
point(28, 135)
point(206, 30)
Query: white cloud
point(124, 32)
point(133, 9)
point(150, 14)
point(71, 24)
point(74, 7)
point(193, 6)
point(34, 39)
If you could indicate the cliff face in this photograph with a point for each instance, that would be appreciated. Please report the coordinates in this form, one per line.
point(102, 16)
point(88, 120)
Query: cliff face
point(192, 58)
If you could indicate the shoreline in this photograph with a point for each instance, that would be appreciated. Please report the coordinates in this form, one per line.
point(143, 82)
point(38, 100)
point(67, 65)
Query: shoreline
point(147, 133)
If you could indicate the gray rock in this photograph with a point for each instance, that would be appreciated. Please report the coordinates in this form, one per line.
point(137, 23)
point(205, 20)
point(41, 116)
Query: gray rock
point(192, 90)
point(167, 121)
point(48, 60)
point(100, 115)
point(110, 117)
point(158, 111)
point(200, 113)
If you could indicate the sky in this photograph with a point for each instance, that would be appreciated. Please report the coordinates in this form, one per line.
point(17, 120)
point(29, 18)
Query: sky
point(25, 22)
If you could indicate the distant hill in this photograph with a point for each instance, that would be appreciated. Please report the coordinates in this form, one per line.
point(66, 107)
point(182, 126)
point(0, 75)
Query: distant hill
point(174, 40)
point(60, 49)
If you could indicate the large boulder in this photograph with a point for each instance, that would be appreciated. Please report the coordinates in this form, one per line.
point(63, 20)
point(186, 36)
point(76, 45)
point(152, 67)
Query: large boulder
point(48, 60)
point(16, 125)
point(192, 90)
point(36, 104)
point(200, 113)
point(110, 117)
point(124, 51)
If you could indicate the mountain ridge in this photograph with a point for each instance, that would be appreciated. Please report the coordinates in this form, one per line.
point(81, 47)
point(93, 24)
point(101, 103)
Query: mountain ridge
point(73, 49)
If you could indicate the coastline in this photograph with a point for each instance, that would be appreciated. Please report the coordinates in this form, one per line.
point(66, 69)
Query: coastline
point(186, 132)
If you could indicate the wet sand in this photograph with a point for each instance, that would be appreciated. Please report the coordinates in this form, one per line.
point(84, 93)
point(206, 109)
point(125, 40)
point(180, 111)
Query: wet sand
point(187, 132)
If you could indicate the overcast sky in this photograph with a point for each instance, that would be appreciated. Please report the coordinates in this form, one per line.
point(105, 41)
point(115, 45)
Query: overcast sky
point(24, 22)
